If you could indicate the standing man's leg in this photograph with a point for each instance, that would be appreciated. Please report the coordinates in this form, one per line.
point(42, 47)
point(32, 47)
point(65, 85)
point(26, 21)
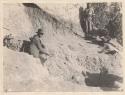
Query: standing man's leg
point(86, 29)
point(90, 27)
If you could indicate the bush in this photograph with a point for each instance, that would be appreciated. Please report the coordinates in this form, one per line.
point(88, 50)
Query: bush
point(109, 16)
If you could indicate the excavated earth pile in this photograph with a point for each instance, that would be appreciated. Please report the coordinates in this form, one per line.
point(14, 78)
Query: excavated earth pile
point(72, 58)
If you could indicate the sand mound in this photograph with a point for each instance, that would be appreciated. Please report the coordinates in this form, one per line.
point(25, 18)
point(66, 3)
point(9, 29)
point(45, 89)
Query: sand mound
point(25, 73)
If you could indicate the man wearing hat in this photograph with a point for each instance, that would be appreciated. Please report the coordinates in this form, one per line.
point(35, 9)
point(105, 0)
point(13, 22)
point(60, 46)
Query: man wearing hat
point(89, 12)
point(36, 46)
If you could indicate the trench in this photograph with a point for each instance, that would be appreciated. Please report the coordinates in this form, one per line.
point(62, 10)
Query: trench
point(66, 62)
point(54, 27)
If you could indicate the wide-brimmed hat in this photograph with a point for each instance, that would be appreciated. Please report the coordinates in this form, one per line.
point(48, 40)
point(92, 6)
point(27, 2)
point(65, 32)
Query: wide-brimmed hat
point(40, 31)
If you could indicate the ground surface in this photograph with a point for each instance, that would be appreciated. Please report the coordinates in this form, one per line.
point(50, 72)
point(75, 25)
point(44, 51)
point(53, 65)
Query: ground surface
point(71, 55)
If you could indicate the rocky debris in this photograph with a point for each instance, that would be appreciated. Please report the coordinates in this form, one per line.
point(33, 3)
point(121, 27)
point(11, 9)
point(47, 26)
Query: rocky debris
point(10, 42)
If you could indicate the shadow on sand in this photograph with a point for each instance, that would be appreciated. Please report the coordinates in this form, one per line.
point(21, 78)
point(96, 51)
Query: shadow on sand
point(25, 47)
point(93, 41)
point(105, 81)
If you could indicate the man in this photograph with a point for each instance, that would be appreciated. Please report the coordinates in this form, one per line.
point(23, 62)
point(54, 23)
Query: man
point(89, 13)
point(82, 19)
point(36, 47)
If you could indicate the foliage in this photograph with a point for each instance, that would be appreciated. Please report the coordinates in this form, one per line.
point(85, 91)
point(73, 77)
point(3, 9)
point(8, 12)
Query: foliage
point(109, 16)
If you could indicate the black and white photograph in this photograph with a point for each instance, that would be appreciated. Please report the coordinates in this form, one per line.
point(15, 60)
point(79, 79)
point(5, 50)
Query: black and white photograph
point(62, 47)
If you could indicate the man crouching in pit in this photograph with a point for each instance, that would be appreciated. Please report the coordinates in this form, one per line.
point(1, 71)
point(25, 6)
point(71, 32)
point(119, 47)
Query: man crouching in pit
point(37, 49)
